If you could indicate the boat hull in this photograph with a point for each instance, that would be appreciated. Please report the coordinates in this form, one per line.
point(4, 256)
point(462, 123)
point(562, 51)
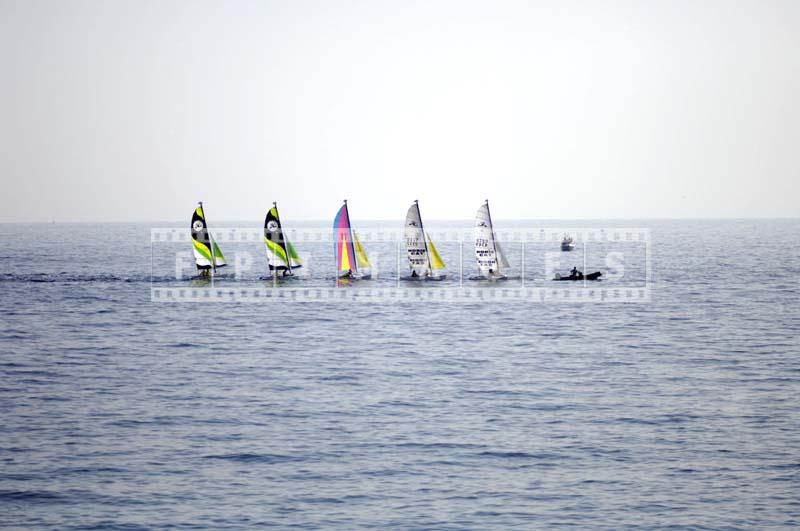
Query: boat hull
point(591, 276)
point(424, 278)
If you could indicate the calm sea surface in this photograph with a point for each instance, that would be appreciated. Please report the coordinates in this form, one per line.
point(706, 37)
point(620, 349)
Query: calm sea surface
point(121, 413)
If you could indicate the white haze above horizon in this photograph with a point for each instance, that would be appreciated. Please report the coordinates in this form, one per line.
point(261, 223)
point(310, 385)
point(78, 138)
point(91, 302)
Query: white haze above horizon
point(135, 110)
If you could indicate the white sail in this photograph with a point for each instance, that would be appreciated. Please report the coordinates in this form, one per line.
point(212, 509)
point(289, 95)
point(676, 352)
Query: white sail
point(415, 242)
point(501, 256)
point(491, 259)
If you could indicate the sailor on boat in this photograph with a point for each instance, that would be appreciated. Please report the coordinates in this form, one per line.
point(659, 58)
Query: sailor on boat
point(574, 272)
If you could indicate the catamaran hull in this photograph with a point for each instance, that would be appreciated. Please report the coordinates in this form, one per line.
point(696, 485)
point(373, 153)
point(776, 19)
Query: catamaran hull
point(281, 268)
point(282, 272)
point(208, 267)
point(425, 279)
point(345, 276)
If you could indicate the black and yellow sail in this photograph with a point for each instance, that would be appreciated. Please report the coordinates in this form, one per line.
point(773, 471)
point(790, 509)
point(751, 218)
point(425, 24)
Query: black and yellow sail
point(281, 255)
point(207, 254)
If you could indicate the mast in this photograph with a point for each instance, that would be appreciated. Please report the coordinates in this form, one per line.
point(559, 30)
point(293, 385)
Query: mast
point(424, 239)
point(210, 241)
point(494, 238)
point(283, 242)
point(275, 268)
point(352, 244)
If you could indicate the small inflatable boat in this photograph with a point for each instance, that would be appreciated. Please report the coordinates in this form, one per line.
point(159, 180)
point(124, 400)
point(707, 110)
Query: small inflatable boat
point(591, 276)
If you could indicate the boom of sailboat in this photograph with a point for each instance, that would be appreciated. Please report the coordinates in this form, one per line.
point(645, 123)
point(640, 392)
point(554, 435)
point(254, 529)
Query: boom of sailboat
point(352, 263)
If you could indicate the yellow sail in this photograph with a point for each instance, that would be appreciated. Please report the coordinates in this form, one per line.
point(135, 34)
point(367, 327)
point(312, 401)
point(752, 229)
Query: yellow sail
point(436, 260)
point(346, 264)
point(361, 255)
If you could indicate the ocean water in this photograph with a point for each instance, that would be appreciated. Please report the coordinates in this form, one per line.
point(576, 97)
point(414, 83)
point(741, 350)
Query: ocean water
point(122, 413)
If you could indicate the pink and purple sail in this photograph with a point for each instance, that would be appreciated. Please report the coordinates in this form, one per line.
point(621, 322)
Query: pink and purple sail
point(344, 249)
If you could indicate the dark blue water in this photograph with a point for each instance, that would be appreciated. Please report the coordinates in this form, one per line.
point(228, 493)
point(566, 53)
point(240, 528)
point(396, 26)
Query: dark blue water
point(121, 413)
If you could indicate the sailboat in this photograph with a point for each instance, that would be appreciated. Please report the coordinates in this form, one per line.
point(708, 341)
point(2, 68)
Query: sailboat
point(423, 258)
point(351, 259)
point(281, 255)
point(207, 255)
point(491, 260)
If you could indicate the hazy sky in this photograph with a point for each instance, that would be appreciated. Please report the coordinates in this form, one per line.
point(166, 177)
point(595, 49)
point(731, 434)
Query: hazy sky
point(133, 111)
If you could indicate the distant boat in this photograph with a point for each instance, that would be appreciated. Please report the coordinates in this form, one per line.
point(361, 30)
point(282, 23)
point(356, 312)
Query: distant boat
point(207, 255)
point(567, 243)
point(281, 255)
point(351, 259)
point(491, 259)
point(423, 258)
